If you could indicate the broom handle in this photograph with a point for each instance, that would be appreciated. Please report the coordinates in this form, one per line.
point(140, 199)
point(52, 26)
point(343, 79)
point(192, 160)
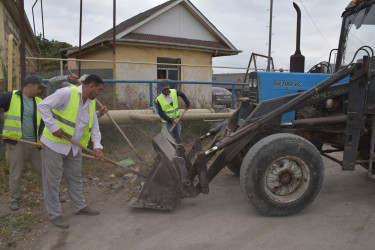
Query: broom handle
point(21, 140)
point(174, 125)
point(105, 158)
point(122, 133)
point(38, 144)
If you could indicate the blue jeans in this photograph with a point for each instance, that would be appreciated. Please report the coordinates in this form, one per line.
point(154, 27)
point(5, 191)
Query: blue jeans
point(176, 132)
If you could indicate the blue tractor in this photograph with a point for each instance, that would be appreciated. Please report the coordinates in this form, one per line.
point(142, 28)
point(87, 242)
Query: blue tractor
point(273, 141)
point(268, 85)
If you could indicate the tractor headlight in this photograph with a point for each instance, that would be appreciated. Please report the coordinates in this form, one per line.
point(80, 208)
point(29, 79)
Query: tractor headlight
point(255, 83)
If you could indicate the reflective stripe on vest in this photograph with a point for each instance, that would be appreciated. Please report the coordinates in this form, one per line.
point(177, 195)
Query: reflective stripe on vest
point(171, 111)
point(12, 118)
point(66, 119)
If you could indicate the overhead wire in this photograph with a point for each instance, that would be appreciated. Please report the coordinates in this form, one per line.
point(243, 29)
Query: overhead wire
point(316, 27)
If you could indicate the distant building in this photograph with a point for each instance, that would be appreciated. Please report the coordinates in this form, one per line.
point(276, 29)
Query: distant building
point(231, 78)
point(175, 33)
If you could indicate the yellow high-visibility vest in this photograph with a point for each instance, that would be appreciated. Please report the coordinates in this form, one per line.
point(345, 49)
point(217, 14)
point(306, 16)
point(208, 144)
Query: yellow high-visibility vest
point(67, 120)
point(12, 118)
point(171, 111)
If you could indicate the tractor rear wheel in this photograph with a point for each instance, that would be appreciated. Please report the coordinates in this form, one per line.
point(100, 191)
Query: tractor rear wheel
point(281, 174)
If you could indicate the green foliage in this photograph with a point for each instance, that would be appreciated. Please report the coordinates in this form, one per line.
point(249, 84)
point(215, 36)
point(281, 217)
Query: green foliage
point(16, 222)
point(50, 49)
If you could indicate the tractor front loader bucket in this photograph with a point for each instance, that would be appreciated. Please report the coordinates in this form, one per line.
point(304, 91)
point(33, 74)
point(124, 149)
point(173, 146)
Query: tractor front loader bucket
point(162, 188)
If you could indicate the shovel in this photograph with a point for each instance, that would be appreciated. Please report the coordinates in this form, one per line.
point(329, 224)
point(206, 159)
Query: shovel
point(174, 125)
point(105, 158)
point(162, 189)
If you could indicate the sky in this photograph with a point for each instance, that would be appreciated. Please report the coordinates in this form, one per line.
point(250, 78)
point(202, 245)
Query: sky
point(245, 23)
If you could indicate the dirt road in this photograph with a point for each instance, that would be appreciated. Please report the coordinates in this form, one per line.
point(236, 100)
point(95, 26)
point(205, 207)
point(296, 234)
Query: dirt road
point(342, 217)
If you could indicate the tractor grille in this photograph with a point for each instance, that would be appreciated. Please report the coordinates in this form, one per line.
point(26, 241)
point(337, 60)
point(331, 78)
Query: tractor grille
point(253, 95)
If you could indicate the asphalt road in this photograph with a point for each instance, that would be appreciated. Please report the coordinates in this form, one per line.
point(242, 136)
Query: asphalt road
point(341, 217)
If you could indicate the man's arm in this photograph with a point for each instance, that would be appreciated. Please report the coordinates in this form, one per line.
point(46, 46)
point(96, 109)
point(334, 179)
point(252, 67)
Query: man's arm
point(5, 100)
point(183, 96)
point(59, 81)
point(162, 114)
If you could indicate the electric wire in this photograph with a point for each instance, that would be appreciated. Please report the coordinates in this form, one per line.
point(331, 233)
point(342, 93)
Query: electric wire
point(316, 27)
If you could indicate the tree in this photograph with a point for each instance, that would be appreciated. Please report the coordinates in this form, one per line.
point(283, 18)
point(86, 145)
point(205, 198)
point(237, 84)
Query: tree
point(50, 49)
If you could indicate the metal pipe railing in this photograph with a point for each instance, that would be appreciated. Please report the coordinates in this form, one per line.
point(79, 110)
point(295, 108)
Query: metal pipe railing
point(150, 82)
point(147, 63)
point(149, 115)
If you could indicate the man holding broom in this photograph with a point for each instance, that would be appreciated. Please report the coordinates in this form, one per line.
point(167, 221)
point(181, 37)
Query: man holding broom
point(69, 112)
point(22, 121)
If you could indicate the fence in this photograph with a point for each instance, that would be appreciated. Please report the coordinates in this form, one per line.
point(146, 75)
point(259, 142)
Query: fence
point(141, 129)
point(141, 125)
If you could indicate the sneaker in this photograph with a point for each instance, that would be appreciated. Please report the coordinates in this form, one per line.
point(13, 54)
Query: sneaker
point(14, 205)
point(87, 211)
point(60, 222)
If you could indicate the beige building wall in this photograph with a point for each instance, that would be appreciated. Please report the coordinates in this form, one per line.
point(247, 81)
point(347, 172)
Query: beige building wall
point(8, 26)
point(136, 95)
point(98, 54)
point(2, 46)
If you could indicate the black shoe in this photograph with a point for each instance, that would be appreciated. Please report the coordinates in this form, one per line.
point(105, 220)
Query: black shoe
point(87, 211)
point(14, 205)
point(60, 222)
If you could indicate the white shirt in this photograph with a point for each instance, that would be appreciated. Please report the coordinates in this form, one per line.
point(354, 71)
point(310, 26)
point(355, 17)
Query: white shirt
point(168, 98)
point(59, 101)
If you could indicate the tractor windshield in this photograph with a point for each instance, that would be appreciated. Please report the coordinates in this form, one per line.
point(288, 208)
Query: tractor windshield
point(359, 30)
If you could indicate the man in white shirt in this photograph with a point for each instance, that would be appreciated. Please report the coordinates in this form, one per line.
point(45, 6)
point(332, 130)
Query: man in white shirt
point(70, 112)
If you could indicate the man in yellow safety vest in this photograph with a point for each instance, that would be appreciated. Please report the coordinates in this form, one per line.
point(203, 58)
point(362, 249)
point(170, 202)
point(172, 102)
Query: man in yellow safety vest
point(70, 111)
point(167, 106)
point(22, 121)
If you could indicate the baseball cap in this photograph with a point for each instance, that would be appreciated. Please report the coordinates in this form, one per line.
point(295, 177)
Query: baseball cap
point(34, 80)
point(164, 84)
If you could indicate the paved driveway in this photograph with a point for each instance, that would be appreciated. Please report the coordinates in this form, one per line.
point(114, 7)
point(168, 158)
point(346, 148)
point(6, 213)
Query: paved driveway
point(342, 217)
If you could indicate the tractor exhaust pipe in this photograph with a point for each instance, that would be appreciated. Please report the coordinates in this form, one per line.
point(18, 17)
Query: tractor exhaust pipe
point(297, 61)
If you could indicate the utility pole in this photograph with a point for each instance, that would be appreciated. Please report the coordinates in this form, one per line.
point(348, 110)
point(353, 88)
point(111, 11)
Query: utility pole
point(21, 10)
point(269, 37)
point(80, 38)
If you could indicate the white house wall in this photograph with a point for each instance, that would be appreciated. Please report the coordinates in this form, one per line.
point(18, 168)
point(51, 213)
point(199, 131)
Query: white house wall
point(177, 22)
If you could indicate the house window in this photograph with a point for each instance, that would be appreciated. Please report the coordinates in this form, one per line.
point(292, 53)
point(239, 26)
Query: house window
point(168, 71)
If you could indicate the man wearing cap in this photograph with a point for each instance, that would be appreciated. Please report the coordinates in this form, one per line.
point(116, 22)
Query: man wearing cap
point(22, 121)
point(167, 105)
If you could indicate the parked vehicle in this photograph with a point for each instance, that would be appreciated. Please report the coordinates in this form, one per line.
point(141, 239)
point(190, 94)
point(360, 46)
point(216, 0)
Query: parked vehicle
point(221, 96)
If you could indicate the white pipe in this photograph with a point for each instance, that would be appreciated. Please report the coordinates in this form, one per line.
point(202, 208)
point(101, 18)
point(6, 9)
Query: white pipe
point(149, 115)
